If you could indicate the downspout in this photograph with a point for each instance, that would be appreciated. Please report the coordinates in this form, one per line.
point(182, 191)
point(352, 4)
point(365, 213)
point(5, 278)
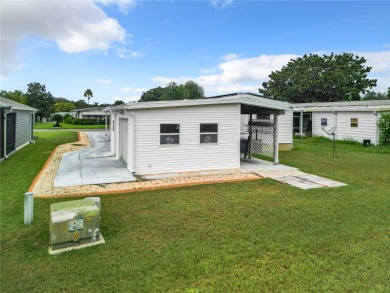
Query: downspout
point(377, 128)
point(5, 132)
point(105, 122)
point(31, 129)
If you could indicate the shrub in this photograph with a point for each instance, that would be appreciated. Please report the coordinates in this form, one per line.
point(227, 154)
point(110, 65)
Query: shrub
point(85, 121)
point(384, 129)
point(68, 118)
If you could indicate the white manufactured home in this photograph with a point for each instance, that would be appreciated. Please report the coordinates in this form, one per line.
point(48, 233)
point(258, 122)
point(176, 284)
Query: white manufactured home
point(356, 120)
point(196, 135)
point(16, 126)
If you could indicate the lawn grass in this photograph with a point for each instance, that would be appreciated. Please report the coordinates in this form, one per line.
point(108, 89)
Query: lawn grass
point(49, 125)
point(251, 236)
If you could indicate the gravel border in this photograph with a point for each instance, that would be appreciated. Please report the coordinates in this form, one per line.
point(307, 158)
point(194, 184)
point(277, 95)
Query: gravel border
point(43, 183)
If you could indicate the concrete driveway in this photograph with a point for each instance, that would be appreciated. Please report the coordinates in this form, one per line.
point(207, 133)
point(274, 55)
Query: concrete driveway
point(92, 165)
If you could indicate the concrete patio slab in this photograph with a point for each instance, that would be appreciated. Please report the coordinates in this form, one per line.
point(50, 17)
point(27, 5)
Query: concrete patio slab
point(320, 180)
point(92, 165)
point(286, 174)
point(297, 182)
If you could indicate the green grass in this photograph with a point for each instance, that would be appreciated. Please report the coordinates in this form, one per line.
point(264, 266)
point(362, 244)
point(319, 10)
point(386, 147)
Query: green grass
point(49, 125)
point(252, 236)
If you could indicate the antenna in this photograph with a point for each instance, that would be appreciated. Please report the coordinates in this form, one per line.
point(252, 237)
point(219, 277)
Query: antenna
point(332, 131)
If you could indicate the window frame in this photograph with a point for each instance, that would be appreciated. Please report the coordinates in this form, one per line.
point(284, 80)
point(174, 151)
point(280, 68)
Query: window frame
point(354, 124)
point(170, 134)
point(324, 121)
point(202, 141)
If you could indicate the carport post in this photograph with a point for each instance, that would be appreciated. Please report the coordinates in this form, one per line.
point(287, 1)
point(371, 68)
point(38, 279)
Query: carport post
point(105, 123)
point(250, 136)
point(276, 143)
point(301, 123)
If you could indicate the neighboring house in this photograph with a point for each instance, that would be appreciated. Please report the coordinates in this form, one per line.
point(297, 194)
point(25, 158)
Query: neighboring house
point(16, 126)
point(90, 113)
point(356, 120)
point(193, 135)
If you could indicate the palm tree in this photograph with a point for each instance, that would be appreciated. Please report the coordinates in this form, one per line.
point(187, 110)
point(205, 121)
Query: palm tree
point(88, 94)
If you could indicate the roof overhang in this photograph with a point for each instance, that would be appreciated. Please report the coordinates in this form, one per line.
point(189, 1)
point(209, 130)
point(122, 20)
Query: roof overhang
point(249, 103)
point(343, 109)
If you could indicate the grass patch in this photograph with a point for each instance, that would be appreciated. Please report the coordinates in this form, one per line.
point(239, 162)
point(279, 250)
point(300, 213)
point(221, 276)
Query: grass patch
point(50, 125)
point(234, 237)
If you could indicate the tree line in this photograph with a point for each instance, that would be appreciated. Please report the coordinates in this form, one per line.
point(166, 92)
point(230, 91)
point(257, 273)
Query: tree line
point(311, 78)
point(39, 98)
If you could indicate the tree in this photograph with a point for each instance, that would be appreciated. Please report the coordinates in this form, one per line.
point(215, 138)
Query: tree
point(153, 94)
point(118, 102)
point(192, 90)
point(88, 94)
point(64, 107)
point(314, 78)
point(57, 118)
point(172, 92)
point(17, 96)
point(384, 129)
point(39, 98)
point(188, 91)
point(375, 96)
point(81, 104)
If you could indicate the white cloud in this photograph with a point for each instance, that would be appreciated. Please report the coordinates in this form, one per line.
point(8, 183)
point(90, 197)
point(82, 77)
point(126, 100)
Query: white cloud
point(221, 4)
point(230, 57)
point(126, 53)
point(74, 26)
point(124, 5)
point(379, 61)
point(127, 99)
point(104, 81)
point(247, 74)
point(135, 90)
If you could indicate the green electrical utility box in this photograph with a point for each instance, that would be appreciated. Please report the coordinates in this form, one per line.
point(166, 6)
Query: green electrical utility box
point(73, 223)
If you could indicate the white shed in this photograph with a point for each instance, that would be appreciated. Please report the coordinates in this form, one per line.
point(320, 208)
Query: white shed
point(16, 126)
point(192, 135)
point(356, 120)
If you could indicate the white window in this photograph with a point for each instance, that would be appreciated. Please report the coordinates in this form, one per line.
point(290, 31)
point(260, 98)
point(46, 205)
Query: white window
point(324, 121)
point(208, 133)
point(169, 133)
point(354, 122)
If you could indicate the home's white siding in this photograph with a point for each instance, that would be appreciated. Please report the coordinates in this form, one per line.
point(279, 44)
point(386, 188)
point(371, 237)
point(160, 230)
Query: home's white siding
point(23, 128)
point(367, 125)
point(189, 155)
point(316, 122)
point(285, 132)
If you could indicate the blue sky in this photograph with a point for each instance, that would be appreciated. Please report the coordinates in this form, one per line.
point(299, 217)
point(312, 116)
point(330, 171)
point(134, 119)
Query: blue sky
point(120, 48)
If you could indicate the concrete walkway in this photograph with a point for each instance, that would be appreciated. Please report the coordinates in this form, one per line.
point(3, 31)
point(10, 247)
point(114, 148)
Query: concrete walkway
point(92, 165)
point(287, 175)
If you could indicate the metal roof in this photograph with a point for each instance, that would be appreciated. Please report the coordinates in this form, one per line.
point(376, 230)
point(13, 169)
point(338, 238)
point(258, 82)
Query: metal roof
point(348, 106)
point(6, 103)
point(244, 98)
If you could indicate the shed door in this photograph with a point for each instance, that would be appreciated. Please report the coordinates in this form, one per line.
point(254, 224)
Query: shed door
point(11, 132)
point(1, 134)
point(123, 139)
